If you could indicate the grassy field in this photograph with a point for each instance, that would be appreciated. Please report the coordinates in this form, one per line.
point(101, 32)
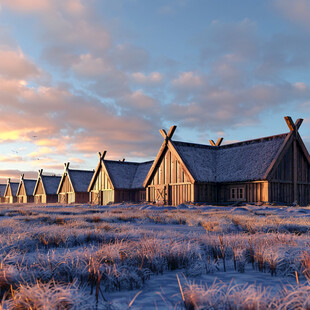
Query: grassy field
point(147, 257)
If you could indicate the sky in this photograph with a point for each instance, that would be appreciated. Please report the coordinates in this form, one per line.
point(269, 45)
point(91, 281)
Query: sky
point(78, 77)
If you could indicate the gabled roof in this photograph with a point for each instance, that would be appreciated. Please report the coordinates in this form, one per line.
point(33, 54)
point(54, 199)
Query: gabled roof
point(123, 175)
point(13, 186)
point(50, 183)
point(29, 186)
point(141, 173)
point(2, 189)
point(243, 161)
point(79, 179)
point(129, 175)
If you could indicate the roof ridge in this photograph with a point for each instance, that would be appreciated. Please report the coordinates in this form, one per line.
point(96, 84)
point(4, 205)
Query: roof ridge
point(80, 170)
point(231, 144)
point(269, 138)
point(127, 162)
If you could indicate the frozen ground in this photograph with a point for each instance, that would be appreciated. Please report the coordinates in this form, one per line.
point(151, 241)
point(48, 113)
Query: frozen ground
point(129, 256)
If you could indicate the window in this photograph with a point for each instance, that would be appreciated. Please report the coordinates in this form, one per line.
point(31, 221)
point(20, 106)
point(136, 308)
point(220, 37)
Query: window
point(237, 193)
point(233, 193)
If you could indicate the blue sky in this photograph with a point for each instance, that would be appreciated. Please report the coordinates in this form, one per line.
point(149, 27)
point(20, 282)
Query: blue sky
point(78, 77)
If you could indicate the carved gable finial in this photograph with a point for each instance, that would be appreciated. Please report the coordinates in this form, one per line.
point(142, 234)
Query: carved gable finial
point(102, 155)
point(168, 136)
point(218, 142)
point(291, 125)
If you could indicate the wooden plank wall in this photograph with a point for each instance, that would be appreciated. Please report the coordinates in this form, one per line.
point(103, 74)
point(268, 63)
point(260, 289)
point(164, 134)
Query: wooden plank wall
point(254, 191)
point(169, 171)
point(102, 190)
point(108, 196)
point(22, 190)
point(39, 198)
point(81, 197)
point(207, 192)
point(40, 190)
point(66, 186)
point(281, 187)
point(171, 180)
point(51, 198)
point(174, 194)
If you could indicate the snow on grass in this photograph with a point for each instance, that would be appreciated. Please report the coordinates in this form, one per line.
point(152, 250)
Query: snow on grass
point(122, 248)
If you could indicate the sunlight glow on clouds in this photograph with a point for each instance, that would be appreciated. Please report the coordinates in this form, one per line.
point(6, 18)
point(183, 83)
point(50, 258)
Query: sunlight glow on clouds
point(83, 76)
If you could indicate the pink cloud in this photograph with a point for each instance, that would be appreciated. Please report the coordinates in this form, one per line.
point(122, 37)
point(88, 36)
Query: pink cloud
point(152, 79)
point(27, 5)
point(90, 66)
point(297, 11)
point(187, 80)
point(14, 65)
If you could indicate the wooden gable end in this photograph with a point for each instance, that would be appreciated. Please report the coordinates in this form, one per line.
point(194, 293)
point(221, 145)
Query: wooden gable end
point(102, 180)
point(8, 191)
point(289, 175)
point(168, 167)
point(21, 190)
point(285, 168)
point(66, 186)
point(169, 170)
point(39, 188)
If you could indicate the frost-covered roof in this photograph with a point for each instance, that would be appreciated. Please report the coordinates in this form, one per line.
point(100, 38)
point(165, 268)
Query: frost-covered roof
point(2, 189)
point(243, 161)
point(14, 188)
point(51, 184)
point(141, 173)
point(29, 186)
point(80, 179)
point(128, 175)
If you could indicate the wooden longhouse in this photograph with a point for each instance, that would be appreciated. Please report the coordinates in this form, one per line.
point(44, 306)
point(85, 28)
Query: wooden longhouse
point(45, 190)
point(269, 169)
point(10, 192)
point(118, 181)
point(74, 185)
point(25, 190)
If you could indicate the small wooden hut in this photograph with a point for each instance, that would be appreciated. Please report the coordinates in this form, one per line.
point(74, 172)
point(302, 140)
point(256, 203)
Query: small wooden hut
point(2, 191)
point(25, 190)
point(74, 185)
point(10, 191)
point(45, 190)
point(269, 169)
point(118, 181)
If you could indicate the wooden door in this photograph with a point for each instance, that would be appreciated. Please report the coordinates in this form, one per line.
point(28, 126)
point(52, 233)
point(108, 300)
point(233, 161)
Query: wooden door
point(161, 194)
point(71, 197)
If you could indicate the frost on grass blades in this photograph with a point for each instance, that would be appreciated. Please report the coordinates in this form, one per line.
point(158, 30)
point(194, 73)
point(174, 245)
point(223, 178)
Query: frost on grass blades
point(146, 257)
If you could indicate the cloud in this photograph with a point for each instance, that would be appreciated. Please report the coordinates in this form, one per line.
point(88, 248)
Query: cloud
point(298, 11)
point(187, 80)
point(15, 174)
point(236, 40)
point(91, 67)
point(153, 78)
point(10, 159)
point(130, 57)
point(14, 65)
point(27, 5)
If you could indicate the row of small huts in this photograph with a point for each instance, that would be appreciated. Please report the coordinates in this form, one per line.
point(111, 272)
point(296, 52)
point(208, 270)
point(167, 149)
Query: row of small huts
point(268, 169)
